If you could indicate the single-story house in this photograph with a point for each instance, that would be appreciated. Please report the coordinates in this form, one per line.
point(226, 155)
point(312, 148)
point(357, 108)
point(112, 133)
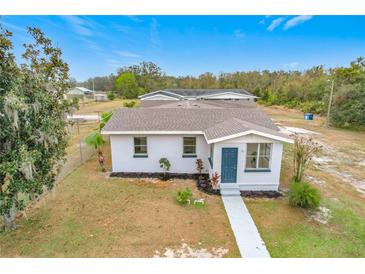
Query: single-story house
point(199, 94)
point(79, 92)
point(236, 139)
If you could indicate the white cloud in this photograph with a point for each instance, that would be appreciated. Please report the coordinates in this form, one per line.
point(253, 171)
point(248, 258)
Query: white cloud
point(82, 26)
point(13, 27)
point(121, 28)
point(89, 43)
point(275, 23)
point(296, 21)
point(135, 19)
point(154, 33)
point(239, 34)
point(128, 54)
point(292, 65)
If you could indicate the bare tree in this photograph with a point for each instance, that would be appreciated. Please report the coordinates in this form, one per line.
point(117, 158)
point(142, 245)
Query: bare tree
point(304, 149)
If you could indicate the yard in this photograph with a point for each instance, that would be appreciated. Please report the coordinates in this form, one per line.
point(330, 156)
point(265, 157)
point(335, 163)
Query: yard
point(340, 175)
point(91, 215)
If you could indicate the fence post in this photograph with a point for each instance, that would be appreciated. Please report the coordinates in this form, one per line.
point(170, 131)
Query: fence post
point(81, 156)
point(78, 127)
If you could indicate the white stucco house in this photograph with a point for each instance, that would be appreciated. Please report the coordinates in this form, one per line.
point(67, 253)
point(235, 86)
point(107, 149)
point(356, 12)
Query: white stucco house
point(234, 138)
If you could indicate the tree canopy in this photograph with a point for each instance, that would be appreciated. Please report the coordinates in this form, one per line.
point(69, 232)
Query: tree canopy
point(306, 90)
point(127, 86)
point(33, 111)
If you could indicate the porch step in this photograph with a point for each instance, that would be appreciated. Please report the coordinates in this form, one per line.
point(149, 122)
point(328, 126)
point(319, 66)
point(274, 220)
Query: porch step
point(230, 190)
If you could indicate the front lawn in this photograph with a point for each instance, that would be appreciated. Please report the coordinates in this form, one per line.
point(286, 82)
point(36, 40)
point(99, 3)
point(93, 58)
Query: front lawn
point(292, 232)
point(90, 215)
point(289, 232)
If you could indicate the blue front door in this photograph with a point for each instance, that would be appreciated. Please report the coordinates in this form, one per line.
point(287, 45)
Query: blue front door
point(229, 165)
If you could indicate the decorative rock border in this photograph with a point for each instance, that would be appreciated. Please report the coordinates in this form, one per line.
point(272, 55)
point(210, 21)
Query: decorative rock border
point(158, 175)
point(261, 194)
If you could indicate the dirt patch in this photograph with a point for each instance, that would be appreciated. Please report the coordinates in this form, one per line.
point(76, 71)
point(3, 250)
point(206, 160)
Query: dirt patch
point(316, 181)
point(186, 251)
point(322, 215)
point(333, 160)
point(297, 130)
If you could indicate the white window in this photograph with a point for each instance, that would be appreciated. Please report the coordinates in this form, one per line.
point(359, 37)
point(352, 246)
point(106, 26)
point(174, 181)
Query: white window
point(189, 146)
point(258, 156)
point(140, 146)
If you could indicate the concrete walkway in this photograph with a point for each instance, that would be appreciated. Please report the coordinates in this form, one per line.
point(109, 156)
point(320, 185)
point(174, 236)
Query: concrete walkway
point(244, 229)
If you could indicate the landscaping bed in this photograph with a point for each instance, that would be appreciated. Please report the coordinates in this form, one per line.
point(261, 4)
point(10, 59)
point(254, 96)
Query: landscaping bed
point(156, 175)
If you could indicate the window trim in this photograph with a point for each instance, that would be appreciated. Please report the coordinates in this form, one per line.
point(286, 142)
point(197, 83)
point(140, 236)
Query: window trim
point(188, 155)
point(257, 168)
point(139, 155)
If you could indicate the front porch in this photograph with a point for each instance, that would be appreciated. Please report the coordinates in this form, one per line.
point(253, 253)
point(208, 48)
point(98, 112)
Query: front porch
point(247, 163)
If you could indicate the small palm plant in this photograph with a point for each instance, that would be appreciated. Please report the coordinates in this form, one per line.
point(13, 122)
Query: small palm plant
point(96, 140)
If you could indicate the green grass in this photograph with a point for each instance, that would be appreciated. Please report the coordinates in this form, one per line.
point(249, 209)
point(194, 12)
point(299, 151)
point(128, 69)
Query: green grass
point(89, 215)
point(288, 232)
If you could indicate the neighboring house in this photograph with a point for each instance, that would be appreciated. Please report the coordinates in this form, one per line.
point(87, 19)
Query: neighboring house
point(234, 138)
point(199, 94)
point(80, 92)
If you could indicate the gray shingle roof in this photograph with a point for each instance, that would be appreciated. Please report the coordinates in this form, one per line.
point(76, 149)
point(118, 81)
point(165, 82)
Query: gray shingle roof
point(214, 122)
point(195, 93)
point(197, 104)
point(207, 91)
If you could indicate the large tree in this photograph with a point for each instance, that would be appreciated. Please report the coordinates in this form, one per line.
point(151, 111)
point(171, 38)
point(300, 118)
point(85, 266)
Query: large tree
point(148, 75)
point(33, 135)
point(127, 86)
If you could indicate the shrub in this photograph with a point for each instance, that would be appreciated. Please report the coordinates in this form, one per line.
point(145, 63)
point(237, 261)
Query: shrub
point(110, 95)
point(304, 195)
point(183, 196)
point(313, 106)
point(129, 104)
point(165, 165)
point(214, 180)
point(199, 166)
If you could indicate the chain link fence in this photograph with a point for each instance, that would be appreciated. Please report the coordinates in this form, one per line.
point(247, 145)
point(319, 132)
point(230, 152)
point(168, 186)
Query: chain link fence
point(78, 151)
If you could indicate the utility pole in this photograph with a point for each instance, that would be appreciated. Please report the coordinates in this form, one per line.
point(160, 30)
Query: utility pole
point(93, 84)
point(329, 104)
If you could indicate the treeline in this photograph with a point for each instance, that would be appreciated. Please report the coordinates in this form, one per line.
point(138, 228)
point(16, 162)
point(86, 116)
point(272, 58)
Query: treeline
point(307, 90)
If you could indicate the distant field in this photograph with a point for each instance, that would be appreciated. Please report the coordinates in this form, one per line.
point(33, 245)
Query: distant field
point(92, 107)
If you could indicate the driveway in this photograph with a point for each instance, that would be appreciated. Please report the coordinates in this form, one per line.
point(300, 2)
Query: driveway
point(244, 229)
point(85, 117)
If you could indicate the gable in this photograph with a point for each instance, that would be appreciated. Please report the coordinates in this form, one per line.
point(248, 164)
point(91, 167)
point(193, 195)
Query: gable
point(227, 95)
point(159, 96)
point(252, 136)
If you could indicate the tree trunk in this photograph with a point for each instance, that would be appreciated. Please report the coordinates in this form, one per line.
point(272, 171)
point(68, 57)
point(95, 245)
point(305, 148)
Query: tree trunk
point(9, 219)
point(101, 160)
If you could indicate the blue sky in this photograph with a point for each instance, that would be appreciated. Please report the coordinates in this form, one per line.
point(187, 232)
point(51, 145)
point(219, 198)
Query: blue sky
point(191, 45)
